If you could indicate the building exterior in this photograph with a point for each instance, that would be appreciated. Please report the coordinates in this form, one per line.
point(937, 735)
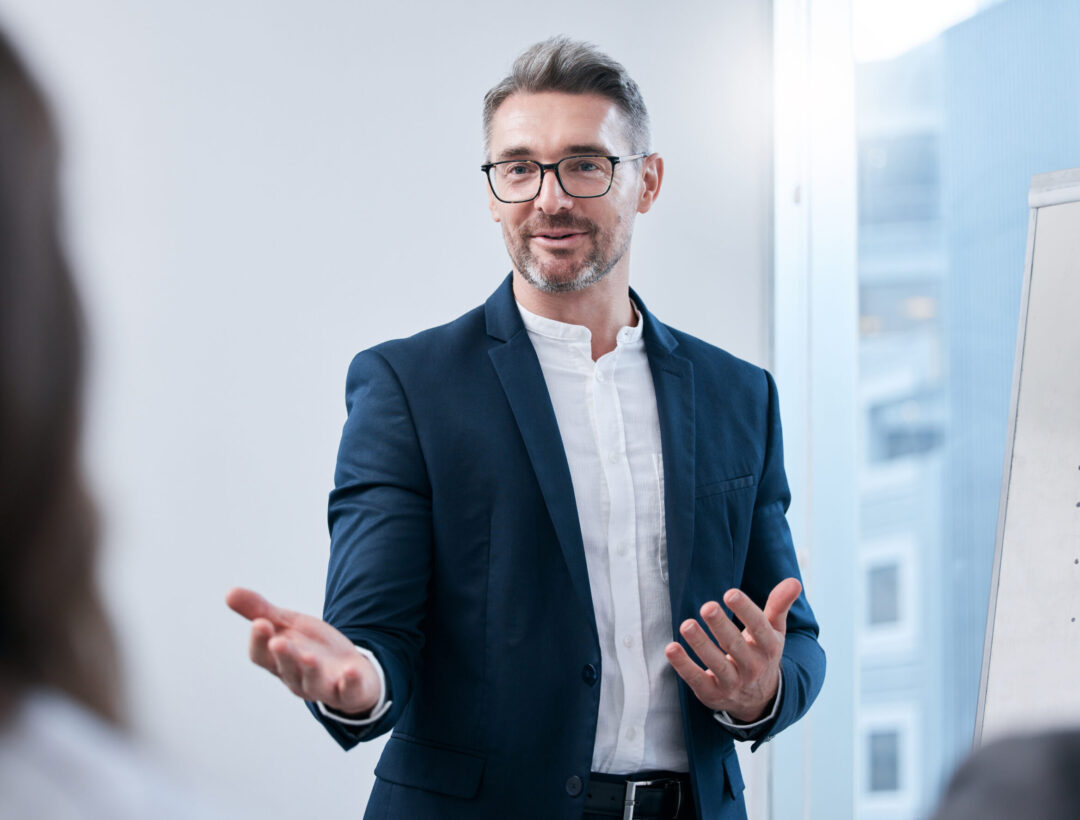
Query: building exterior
point(949, 135)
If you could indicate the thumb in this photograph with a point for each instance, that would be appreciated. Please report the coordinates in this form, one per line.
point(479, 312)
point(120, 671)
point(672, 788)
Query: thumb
point(780, 600)
point(252, 605)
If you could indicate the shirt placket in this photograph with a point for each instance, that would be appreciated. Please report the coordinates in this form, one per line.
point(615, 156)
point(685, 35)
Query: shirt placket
point(622, 563)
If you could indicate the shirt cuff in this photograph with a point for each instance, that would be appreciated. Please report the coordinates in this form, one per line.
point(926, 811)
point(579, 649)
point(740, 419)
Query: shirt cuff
point(377, 711)
point(724, 719)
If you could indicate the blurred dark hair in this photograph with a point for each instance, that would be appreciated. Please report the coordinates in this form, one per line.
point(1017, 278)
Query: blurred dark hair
point(1025, 775)
point(53, 628)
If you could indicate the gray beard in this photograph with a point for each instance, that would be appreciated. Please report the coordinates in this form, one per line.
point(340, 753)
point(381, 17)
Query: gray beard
point(592, 271)
point(594, 268)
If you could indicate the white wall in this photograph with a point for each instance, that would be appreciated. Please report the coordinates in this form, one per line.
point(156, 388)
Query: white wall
point(237, 221)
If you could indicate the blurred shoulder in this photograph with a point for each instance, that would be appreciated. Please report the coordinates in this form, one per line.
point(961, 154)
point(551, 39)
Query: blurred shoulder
point(59, 760)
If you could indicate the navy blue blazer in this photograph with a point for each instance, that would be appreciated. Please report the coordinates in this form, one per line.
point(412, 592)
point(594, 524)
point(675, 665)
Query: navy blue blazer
point(457, 558)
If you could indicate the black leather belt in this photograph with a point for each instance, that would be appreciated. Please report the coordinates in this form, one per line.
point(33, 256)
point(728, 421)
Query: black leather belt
point(657, 796)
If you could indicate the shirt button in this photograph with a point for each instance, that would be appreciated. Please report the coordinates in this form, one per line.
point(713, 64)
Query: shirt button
point(628, 641)
point(599, 376)
point(613, 457)
point(631, 733)
point(589, 674)
point(621, 550)
point(573, 785)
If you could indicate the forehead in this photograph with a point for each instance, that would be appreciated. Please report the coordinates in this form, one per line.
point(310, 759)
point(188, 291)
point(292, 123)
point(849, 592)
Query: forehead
point(550, 124)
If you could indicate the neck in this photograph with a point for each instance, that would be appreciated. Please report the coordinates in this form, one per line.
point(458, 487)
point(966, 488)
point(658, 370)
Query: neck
point(604, 308)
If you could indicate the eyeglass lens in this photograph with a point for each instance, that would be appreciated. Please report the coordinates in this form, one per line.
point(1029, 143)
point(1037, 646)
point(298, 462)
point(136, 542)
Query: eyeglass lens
point(519, 181)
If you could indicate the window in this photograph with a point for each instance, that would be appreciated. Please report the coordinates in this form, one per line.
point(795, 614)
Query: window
point(901, 225)
point(883, 585)
point(888, 750)
point(884, 760)
point(888, 629)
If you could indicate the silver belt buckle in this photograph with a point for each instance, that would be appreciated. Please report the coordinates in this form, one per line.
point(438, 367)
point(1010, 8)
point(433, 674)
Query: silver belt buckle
point(630, 800)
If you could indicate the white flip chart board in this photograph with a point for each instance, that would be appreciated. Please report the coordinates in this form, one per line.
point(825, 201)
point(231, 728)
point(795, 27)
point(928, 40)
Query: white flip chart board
point(1031, 660)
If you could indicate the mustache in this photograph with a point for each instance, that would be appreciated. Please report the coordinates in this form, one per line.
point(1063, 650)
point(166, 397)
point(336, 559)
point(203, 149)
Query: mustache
point(558, 222)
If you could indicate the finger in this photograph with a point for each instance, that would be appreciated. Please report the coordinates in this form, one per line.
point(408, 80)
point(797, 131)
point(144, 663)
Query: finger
point(354, 687)
point(247, 602)
point(252, 605)
point(781, 599)
point(314, 680)
point(332, 679)
point(709, 653)
point(753, 619)
point(261, 633)
point(288, 668)
point(727, 634)
point(702, 684)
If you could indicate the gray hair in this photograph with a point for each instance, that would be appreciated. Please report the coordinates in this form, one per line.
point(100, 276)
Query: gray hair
point(574, 67)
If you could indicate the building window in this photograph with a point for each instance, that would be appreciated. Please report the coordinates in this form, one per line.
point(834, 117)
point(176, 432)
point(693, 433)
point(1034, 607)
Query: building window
point(884, 760)
point(888, 611)
point(888, 771)
point(883, 599)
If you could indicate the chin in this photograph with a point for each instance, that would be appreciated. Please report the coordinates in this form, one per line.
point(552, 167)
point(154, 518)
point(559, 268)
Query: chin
point(561, 282)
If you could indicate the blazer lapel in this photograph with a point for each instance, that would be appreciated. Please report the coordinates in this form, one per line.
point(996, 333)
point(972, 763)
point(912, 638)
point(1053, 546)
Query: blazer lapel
point(522, 380)
point(673, 379)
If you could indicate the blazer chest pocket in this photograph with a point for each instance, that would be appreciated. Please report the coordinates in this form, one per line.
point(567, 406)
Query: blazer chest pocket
point(410, 762)
point(726, 486)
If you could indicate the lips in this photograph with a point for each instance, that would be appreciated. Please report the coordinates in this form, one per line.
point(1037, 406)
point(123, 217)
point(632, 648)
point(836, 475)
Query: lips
point(558, 241)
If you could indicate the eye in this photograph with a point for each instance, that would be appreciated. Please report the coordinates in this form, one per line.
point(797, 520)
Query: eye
point(517, 169)
point(583, 165)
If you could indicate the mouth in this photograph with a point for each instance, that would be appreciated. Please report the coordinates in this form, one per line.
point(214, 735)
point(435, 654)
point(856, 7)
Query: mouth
point(557, 239)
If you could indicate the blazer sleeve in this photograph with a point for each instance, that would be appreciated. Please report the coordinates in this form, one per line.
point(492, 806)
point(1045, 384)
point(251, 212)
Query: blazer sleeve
point(770, 559)
point(380, 536)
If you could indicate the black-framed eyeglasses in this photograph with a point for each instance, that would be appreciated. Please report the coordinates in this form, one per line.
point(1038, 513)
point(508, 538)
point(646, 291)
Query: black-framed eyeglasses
point(584, 176)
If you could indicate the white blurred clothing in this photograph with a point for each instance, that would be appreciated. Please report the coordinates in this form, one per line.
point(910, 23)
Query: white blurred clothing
point(59, 761)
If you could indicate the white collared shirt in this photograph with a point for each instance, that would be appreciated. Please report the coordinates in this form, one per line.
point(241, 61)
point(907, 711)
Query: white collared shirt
point(610, 431)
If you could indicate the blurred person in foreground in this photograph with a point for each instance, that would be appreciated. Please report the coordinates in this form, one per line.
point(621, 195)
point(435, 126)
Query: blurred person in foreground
point(1025, 776)
point(63, 752)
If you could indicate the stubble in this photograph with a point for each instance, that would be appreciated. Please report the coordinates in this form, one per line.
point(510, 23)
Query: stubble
point(563, 275)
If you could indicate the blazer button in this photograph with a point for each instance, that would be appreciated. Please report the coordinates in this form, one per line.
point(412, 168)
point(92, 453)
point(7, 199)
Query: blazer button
point(573, 786)
point(589, 675)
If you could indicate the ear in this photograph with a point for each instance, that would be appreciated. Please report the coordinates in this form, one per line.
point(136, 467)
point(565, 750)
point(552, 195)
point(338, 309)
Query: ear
point(493, 203)
point(652, 174)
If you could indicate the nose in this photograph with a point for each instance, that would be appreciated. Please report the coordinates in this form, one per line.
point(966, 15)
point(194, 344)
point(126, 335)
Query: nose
point(552, 198)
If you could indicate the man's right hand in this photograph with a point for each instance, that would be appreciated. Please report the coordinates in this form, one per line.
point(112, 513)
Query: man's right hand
point(312, 658)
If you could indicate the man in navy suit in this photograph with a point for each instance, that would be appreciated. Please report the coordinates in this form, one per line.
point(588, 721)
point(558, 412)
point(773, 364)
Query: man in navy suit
point(537, 506)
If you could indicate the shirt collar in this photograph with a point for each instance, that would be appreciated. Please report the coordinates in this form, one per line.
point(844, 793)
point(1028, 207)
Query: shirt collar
point(554, 329)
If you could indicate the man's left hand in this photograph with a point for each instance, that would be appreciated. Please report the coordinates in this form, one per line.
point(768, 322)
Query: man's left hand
point(742, 668)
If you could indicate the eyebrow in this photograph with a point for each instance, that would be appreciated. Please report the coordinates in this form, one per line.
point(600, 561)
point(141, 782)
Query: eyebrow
point(520, 151)
point(596, 150)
